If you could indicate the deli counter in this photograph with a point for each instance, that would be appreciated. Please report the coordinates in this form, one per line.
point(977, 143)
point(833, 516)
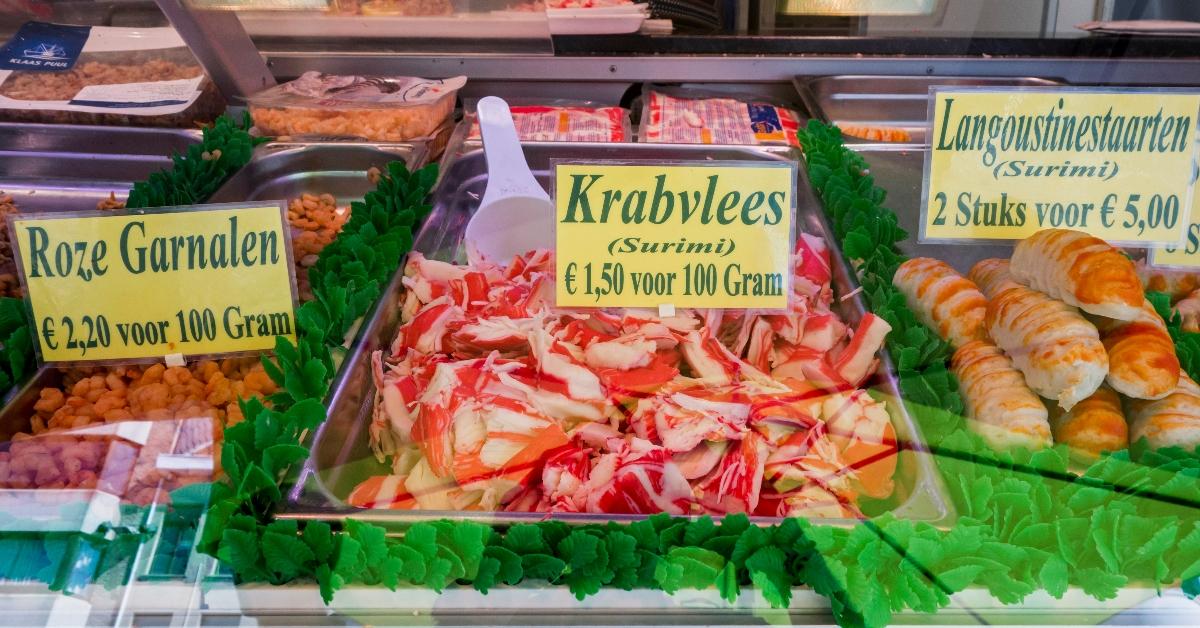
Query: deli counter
point(848, 313)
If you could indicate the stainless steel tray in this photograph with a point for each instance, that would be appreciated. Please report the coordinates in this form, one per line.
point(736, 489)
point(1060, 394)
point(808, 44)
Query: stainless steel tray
point(341, 455)
point(56, 167)
point(277, 171)
point(285, 170)
point(897, 102)
point(38, 179)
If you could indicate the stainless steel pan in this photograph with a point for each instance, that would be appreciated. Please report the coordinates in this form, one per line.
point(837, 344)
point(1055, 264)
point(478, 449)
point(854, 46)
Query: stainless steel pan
point(341, 456)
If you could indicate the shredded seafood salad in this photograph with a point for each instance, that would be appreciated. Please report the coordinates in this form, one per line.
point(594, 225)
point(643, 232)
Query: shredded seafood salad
point(491, 398)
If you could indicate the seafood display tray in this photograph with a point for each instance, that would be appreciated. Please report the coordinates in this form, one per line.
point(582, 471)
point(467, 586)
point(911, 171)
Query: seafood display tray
point(894, 102)
point(285, 170)
point(897, 170)
point(341, 455)
point(57, 167)
point(130, 461)
point(281, 171)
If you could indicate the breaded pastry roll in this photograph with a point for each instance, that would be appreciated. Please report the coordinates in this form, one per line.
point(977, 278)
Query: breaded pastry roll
point(1001, 407)
point(1188, 309)
point(1079, 270)
point(1177, 283)
point(992, 276)
point(1141, 355)
point(944, 300)
point(1056, 348)
point(1173, 421)
point(1094, 425)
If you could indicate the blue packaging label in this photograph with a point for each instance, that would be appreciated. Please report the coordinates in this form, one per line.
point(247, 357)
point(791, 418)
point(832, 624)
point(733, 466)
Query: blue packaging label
point(764, 119)
point(44, 47)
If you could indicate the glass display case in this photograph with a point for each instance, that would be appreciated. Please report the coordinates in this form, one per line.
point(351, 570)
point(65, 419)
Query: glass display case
point(800, 312)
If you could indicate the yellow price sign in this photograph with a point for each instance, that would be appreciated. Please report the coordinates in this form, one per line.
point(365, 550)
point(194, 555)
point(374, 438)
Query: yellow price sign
point(147, 284)
point(1186, 255)
point(711, 235)
point(1005, 163)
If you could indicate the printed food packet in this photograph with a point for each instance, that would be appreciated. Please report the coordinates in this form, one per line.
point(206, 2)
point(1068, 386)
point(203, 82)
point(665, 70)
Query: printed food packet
point(137, 460)
point(670, 119)
point(103, 75)
point(551, 123)
point(381, 108)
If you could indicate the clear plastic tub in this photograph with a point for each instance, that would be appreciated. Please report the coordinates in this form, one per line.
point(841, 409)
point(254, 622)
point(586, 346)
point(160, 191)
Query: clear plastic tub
point(137, 461)
point(104, 75)
point(377, 108)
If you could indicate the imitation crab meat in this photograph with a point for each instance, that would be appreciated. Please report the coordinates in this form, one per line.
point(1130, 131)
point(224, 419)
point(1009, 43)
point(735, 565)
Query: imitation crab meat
point(491, 398)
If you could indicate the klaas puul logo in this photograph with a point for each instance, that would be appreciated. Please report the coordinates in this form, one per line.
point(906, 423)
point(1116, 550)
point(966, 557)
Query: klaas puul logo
point(46, 52)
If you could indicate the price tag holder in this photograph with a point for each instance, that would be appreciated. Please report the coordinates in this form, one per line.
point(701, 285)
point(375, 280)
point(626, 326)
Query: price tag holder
point(642, 234)
point(1005, 163)
point(144, 284)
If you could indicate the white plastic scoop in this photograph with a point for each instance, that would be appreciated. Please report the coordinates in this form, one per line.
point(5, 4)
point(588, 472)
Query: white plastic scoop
point(516, 214)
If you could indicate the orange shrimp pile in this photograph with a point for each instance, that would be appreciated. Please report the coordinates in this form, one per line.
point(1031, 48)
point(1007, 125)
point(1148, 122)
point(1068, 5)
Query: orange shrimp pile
point(316, 221)
point(118, 393)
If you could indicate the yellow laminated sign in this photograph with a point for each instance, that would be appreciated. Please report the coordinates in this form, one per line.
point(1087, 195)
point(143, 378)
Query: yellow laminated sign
point(1186, 255)
point(1005, 163)
point(147, 284)
point(701, 235)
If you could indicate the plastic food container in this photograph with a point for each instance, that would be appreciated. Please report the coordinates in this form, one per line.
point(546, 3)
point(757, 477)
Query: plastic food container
point(136, 432)
point(406, 8)
point(892, 109)
point(103, 75)
point(377, 108)
point(320, 180)
point(137, 461)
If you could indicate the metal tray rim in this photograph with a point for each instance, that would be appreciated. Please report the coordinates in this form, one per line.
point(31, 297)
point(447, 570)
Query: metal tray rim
point(812, 104)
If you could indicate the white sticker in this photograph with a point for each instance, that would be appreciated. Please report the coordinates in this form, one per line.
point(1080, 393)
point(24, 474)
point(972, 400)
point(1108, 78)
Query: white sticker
point(122, 95)
point(404, 90)
point(139, 99)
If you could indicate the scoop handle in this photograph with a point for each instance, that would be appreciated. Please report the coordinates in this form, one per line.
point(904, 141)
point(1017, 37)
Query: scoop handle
point(505, 160)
